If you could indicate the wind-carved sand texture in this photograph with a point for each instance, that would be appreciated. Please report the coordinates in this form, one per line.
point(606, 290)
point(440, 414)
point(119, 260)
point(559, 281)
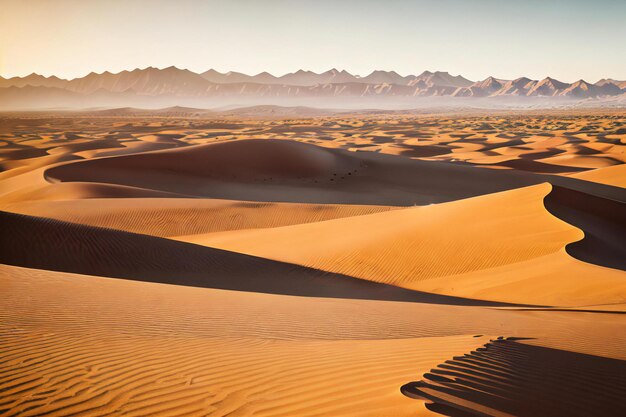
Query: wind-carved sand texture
point(374, 264)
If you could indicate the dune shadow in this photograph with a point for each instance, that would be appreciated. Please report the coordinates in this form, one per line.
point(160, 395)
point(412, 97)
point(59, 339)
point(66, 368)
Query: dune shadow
point(525, 164)
point(510, 378)
point(423, 151)
point(602, 219)
point(298, 172)
point(41, 243)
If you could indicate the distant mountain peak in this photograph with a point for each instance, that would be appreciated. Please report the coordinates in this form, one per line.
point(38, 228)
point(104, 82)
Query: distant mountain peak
point(171, 83)
point(379, 72)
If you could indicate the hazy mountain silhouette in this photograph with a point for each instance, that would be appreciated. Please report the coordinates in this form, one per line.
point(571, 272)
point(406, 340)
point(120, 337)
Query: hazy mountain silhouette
point(170, 86)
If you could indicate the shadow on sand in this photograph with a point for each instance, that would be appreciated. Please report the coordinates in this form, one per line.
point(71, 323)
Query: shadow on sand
point(41, 243)
point(509, 378)
point(602, 219)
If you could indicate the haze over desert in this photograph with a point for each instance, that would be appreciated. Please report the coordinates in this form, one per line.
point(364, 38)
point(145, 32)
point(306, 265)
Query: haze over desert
point(177, 239)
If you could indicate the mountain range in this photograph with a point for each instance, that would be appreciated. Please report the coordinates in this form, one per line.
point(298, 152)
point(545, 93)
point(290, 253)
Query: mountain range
point(174, 86)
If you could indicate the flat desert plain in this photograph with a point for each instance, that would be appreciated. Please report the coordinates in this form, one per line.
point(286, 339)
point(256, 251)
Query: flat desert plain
point(373, 264)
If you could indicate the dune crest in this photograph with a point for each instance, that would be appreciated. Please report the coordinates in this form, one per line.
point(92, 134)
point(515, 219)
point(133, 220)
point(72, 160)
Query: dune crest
point(406, 247)
point(111, 253)
point(447, 249)
point(614, 175)
point(165, 217)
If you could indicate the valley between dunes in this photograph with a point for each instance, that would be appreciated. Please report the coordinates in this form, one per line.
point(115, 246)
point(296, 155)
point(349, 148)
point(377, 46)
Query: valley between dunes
point(346, 265)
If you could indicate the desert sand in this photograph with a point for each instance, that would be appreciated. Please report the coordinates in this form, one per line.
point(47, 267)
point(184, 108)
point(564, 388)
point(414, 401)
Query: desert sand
point(374, 264)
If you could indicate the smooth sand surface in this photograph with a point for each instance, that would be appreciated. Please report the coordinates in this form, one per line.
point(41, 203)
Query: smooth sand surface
point(615, 175)
point(360, 265)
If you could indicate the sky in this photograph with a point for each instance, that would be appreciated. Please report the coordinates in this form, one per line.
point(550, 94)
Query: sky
point(564, 39)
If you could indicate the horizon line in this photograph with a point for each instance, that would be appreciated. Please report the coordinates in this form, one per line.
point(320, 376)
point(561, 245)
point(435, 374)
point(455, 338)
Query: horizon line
point(287, 73)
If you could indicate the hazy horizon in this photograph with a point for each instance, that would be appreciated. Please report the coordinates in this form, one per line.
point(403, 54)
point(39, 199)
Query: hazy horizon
point(566, 40)
point(278, 75)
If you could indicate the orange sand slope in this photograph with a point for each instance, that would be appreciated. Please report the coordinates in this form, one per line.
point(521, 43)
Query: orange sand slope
point(348, 265)
point(59, 246)
point(435, 248)
point(99, 346)
point(180, 216)
point(143, 348)
point(615, 175)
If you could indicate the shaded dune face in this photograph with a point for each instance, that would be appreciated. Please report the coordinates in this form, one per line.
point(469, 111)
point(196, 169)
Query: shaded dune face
point(508, 378)
point(60, 246)
point(242, 160)
point(280, 170)
point(602, 220)
point(537, 166)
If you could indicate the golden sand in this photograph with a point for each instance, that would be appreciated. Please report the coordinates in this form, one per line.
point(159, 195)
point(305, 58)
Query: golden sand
point(366, 265)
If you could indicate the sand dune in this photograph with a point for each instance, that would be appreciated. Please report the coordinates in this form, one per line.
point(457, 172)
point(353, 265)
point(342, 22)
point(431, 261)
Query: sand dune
point(615, 175)
point(166, 217)
point(246, 160)
point(279, 262)
point(11, 168)
point(247, 170)
point(126, 149)
point(96, 345)
point(542, 166)
point(603, 221)
point(59, 246)
point(105, 363)
point(409, 247)
point(82, 190)
point(582, 162)
point(470, 139)
point(556, 279)
point(214, 313)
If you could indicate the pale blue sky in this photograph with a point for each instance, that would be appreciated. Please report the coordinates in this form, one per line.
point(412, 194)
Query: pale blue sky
point(564, 39)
